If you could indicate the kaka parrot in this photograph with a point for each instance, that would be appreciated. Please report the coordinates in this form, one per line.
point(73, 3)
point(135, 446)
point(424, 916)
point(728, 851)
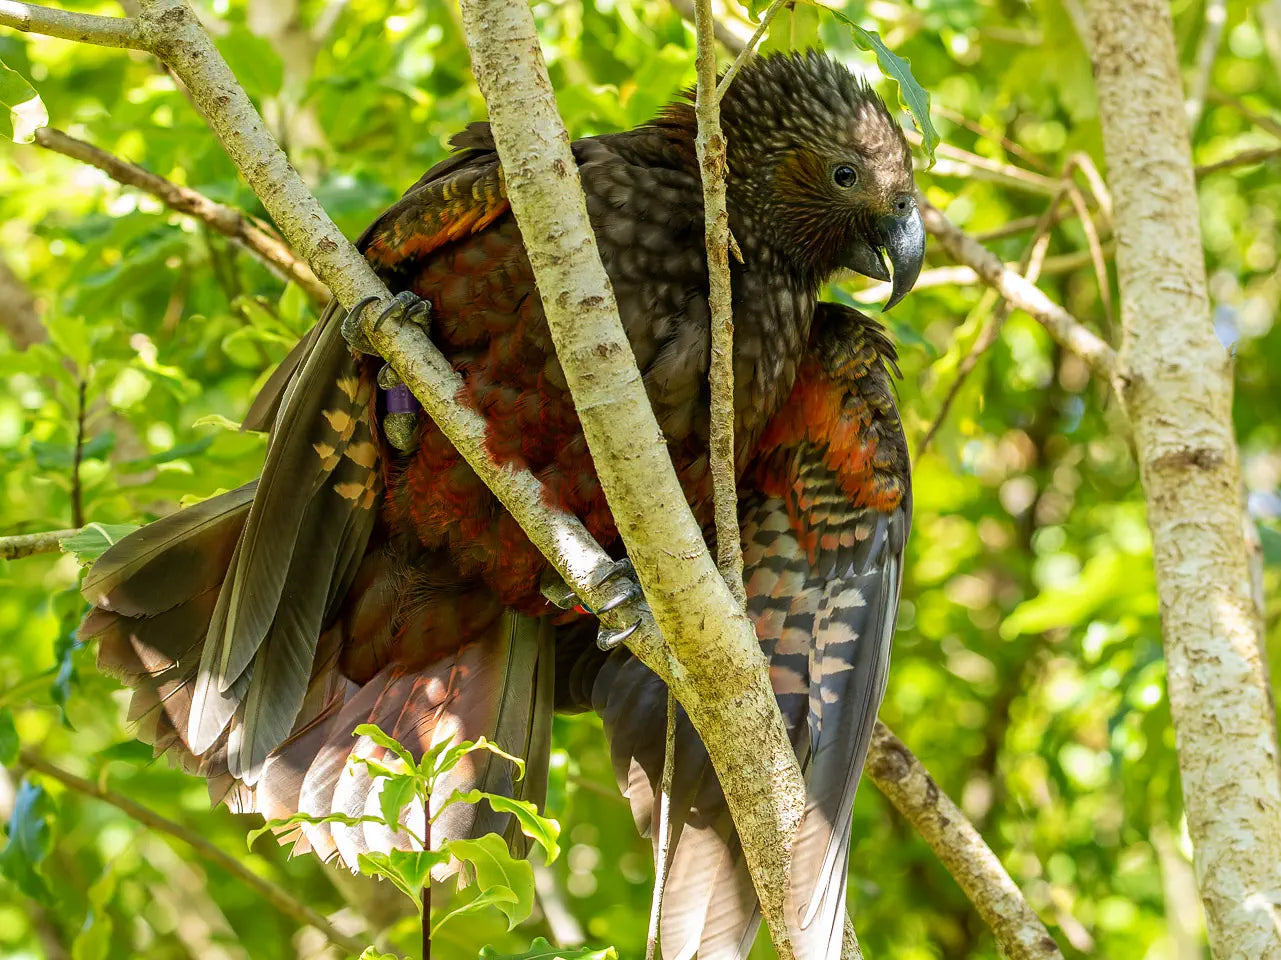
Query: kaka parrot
point(357, 581)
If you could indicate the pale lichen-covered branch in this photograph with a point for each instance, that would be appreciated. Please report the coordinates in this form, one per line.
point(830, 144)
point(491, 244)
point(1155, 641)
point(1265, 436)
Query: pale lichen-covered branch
point(719, 673)
point(1175, 381)
point(711, 149)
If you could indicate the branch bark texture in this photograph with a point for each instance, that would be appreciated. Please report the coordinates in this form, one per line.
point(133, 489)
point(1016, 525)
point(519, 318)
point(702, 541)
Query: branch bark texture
point(1176, 383)
point(710, 146)
point(899, 775)
point(28, 544)
point(719, 672)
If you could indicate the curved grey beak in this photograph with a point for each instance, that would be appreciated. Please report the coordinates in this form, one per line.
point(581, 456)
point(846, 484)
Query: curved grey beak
point(903, 236)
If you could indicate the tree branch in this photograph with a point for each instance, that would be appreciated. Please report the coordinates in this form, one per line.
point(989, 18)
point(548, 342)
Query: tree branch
point(730, 40)
point(719, 672)
point(1021, 293)
point(228, 221)
point(25, 545)
point(1175, 382)
point(899, 775)
point(710, 146)
point(275, 895)
point(83, 27)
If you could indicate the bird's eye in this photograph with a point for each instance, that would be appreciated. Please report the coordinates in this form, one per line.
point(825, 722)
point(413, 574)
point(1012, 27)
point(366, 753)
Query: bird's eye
point(845, 175)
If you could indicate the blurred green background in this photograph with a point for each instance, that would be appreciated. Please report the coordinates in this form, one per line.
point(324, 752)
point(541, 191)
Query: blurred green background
point(1027, 671)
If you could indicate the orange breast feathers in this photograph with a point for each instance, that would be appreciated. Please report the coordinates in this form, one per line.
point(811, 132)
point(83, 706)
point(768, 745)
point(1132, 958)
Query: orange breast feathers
point(847, 416)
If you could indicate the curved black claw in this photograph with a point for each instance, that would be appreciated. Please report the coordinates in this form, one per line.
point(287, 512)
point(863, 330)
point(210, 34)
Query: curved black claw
point(626, 589)
point(607, 639)
point(405, 306)
point(388, 378)
point(353, 330)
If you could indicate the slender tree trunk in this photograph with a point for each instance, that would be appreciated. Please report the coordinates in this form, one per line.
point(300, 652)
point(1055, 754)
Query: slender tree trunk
point(1175, 379)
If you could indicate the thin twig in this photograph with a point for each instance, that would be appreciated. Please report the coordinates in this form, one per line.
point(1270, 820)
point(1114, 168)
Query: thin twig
point(273, 894)
point(83, 27)
point(1062, 326)
point(1216, 17)
point(663, 842)
point(1097, 258)
point(1020, 151)
point(727, 38)
point(1243, 159)
point(1260, 120)
point(1030, 267)
point(261, 242)
point(955, 162)
point(710, 146)
point(27, 544)
point(897, 773)
point(748, 51)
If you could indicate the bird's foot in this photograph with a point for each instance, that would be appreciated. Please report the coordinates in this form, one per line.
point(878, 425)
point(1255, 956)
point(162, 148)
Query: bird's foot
point(620, 576)
point(405, 306)
point(400, 417)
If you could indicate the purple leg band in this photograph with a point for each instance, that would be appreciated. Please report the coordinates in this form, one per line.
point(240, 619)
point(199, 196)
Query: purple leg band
point(401, 400)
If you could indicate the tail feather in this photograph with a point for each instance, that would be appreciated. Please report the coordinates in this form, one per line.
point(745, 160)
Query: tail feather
point(170, 560)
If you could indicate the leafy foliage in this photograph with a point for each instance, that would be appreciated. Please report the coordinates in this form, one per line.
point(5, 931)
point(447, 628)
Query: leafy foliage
point(1027, 668)
point(496, 877)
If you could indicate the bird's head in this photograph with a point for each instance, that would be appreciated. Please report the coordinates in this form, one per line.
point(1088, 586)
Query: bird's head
point(820, 175)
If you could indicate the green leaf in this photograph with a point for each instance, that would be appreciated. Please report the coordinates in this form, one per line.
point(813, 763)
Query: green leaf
point(371, 953)
point(297, 818)
point(30, 840)
point(8, 739)
point(95, 540)
point(500, 897)
point(910, 93)
point(409, 870)
point(544, 830)
point(494, 866)
point(25, 111)
point(70, 335)
point(386, 741)
point(216, 420)
point(395, 795)
point(437, 761)
point(93, 942)
point(540, 949)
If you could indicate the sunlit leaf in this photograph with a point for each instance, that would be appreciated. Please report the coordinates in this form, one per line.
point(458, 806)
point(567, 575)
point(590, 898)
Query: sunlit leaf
point(492, 865)
point(95, 539)
point(911, 94)
point(410, 871)
point(500, 897)
point(283, 823)
point(23, 110)
point(542, 829)
point(540, 949)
